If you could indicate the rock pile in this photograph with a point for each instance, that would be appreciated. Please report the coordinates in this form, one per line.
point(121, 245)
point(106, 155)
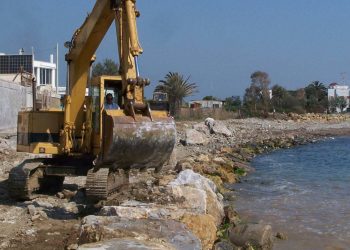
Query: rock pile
point(190, 222)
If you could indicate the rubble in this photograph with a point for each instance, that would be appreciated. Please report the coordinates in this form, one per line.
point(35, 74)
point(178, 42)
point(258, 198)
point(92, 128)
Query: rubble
point(181, 206)
point(146, 233)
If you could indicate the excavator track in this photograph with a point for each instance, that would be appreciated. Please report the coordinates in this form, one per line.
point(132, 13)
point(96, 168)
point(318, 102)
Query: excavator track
point(102, 183)
point(24, 180)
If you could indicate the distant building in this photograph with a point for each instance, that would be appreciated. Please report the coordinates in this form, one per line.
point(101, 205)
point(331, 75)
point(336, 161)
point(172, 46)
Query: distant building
point(336, 90)
point(13, 66)
point(210, 104)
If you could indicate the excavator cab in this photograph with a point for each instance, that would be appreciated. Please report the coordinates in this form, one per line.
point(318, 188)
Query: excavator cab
point(143, 140)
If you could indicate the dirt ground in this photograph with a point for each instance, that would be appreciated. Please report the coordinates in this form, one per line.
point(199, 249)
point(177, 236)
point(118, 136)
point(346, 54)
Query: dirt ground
point(52, 221)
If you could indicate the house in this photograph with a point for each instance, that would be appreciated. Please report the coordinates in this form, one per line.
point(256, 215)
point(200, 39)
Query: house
point(16, 67)
point(206, 104)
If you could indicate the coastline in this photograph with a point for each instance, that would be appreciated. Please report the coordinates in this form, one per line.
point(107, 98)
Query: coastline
point(238, 156)
point(189, 200)
point(300, 192)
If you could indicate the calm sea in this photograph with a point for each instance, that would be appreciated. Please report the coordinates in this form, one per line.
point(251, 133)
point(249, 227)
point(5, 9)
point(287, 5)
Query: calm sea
point(303, 192)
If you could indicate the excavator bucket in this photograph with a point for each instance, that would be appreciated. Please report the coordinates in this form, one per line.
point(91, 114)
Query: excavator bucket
point(138, 143)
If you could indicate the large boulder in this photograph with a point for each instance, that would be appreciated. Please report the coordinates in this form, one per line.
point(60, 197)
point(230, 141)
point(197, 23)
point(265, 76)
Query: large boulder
point(220, 129)
point(201, 127)
point(194, 199)
point(143, 233)
point(200, 193)
point(203, 226)
point(193, 137)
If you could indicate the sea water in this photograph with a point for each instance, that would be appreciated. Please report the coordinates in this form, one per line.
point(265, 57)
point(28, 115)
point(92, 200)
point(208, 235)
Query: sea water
point(303, 192)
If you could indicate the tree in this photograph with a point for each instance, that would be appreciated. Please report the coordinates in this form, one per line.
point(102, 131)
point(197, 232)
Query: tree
point(279, 95)
point(332, 104)
point(287, 101)
point(177, 87)
point(232, 103)
point(316, 97)
point(341, 103)
point(210, 98)
point(257, 96)
point(107, 67)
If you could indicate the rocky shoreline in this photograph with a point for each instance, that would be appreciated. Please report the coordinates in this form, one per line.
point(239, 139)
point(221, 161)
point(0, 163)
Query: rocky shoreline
point(229, 159)
point(186, 206)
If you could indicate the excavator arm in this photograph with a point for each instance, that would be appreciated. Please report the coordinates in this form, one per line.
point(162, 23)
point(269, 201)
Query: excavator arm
point(82, 47)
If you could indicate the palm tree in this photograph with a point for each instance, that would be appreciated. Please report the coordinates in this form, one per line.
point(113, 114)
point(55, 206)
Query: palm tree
point(177, 88)
point(316, 96)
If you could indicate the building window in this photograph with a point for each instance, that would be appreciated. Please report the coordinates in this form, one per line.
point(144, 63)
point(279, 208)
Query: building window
point(45, 76)
point(42, 77)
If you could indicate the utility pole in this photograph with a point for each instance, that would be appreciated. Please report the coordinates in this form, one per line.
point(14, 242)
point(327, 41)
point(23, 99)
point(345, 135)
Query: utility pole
point(57, 69)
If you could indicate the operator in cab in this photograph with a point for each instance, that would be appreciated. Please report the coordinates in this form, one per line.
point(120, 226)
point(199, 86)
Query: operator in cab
point(109, 104)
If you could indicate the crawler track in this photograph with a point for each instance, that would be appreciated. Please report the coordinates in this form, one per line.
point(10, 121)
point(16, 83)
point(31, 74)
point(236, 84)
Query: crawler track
point(101, 184)
point(24, 180)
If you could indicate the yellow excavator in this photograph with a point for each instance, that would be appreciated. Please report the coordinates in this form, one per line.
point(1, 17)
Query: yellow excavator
point(86, 138)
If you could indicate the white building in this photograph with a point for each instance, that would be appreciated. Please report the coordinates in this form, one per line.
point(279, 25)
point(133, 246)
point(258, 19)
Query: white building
point(206, 104)
point(13, 66)
point(336, 90)
point(45, 73)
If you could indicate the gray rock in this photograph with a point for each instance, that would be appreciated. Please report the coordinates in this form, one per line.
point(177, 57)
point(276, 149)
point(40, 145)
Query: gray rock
point(210, 123)
point(199, 193)
point(193, 137)
point(190, 178)
point(231, 215)
point(44, 204)
point(195, 200)
point(220, 129)
point(172, 234)
point(73, 247)
point(32, 210)
point(139, 210)
point(126, 244)
point(224, 245)
point(201, 127)
point(257, 235)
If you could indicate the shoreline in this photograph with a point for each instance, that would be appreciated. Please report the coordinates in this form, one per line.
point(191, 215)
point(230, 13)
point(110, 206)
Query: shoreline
point(239, 157)
point(286, 236)
point(189, 199)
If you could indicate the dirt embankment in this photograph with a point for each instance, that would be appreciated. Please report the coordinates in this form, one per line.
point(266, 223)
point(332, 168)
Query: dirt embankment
point(189, 201)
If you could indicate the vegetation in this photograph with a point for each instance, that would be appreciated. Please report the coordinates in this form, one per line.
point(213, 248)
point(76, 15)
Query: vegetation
point(210, 98)
point(177, 87)
point(257, 100)
point(233, 103)
point(316, 97)
point(337, 102)
point(257, 97)
point(284, 101)
point(107, 67)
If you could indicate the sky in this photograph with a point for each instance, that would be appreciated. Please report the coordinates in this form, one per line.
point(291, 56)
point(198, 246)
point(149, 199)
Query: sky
point(219, 44)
